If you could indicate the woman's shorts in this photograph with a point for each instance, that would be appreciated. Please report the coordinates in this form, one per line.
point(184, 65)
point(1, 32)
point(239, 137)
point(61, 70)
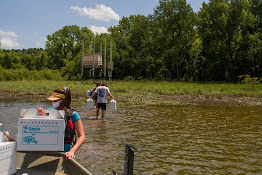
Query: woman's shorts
point(102, 106)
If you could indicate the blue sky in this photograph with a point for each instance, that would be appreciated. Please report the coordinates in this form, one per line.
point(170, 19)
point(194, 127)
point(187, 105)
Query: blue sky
point(26, 23)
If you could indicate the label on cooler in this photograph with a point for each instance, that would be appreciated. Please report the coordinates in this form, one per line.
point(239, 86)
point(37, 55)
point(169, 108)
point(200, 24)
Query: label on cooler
point(40, 135)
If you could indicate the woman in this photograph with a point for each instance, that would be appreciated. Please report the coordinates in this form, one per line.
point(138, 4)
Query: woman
point(95, 96)
point(61, 100)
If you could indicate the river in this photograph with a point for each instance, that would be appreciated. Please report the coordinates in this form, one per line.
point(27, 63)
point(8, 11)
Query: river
point(181, 139)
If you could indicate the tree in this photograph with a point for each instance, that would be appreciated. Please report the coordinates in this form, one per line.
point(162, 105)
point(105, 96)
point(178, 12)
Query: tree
point(6, 62)
point(256, 39)
point(176, 33)
point(41, 61)
point(65, 44)
point(122, 65)
point(140, 42)
point(250, 80)
point(29, 62)
point(224, 27)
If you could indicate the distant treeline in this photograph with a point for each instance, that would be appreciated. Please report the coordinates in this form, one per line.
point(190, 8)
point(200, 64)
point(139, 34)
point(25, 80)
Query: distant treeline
point(30, 64)
point(220, 42)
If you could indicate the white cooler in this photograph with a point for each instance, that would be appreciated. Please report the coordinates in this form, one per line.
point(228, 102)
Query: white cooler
point(7, 155)
point(113, 104)
point(89, 104)
point(41, 133)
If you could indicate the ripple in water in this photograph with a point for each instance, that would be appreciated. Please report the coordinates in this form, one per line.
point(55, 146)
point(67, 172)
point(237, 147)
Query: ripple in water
point(188, 139)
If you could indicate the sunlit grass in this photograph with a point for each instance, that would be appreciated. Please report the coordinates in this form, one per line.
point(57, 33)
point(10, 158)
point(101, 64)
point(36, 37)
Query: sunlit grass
point(132, 93)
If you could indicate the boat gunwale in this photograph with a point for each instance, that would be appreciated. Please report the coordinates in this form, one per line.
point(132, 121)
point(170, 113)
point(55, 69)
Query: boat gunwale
point(60, 155)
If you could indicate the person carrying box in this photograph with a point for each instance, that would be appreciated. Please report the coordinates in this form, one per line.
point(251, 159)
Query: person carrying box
point(61, 100)
point(95, 96)
point(101, 92)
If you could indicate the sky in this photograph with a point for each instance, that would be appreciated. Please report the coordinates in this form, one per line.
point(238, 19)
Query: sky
point(26, 23)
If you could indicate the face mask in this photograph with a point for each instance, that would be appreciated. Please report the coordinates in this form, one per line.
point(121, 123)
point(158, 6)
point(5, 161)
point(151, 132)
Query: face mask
point(56, 104)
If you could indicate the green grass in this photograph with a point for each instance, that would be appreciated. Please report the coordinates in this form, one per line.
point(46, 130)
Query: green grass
point(183, 88)
point(132, 93)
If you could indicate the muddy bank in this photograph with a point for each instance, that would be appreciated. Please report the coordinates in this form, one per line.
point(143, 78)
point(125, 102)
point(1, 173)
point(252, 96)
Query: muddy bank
point(221, 99)
point(7, 97)
point(156, 100)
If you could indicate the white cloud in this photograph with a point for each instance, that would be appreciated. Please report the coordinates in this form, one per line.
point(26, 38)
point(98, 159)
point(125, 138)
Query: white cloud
point(10, 34)
point(9, 42)
point(38, 44)
point(43, 38)
point(8, 39)
point(101, 12)
point(40, 40)
point(98, 30)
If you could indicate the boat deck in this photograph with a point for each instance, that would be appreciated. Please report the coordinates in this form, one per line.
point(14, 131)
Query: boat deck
point(47, 163)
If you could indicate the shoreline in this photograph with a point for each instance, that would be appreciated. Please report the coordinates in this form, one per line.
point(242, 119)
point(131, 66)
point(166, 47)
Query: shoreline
point(138, 93)
point(158, 100)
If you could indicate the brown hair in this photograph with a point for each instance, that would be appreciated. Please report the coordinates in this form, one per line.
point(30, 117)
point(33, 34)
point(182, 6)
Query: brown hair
point(67, 101)
point(97, 84)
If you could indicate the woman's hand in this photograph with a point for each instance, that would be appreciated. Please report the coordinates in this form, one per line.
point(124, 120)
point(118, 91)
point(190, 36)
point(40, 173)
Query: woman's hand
point(40, 111)
point(81, 138)
point(70, 155)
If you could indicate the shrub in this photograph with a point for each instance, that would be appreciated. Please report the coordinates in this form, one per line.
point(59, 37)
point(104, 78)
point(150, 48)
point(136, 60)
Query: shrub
point(25, 74)
point(1, 73)
point(129, 78)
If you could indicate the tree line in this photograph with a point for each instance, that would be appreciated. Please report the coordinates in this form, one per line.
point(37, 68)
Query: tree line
point(219, 43)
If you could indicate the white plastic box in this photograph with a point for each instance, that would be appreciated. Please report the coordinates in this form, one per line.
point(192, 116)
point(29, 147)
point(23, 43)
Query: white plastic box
point(113, 104)
point(41, 133)
point(89, 93)
point(7, 155)
point(89, 104)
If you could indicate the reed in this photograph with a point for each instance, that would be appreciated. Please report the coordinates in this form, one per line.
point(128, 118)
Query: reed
point(135, 92)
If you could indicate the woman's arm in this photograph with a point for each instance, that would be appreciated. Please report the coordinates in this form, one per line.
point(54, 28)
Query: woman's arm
point(81, 138)
point(94, 93)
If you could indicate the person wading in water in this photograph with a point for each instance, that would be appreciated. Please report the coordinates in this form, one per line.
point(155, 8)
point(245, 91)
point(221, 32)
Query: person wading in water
point(101, 92)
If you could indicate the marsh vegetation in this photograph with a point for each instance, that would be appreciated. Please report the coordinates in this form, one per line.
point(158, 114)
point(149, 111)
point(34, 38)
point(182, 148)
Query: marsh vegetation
point(138, 92)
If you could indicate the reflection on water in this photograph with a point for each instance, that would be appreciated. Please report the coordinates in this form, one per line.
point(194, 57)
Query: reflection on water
point(189, 139)
point(9, 113)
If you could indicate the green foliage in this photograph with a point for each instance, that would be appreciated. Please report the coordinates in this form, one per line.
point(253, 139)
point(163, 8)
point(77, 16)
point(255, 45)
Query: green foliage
point(176, 21)
point(224, 27)
point(68, 71)
point(25, 74)
point(129, 78)
point(65, 44)
point(220, 42)
point(1, 73)
point(133, 92)
point(250, 80)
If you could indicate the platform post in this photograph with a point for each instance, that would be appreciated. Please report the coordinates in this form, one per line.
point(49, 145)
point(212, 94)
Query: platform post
point(129, 160)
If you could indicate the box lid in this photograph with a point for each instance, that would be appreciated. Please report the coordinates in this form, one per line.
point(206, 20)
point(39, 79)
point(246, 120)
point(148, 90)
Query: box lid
point(32, 113)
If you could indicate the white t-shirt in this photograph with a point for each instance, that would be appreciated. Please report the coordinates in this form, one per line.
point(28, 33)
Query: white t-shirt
point(102, 92)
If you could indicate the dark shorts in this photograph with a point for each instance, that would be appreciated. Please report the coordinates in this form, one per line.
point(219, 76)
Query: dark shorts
point(102, 106)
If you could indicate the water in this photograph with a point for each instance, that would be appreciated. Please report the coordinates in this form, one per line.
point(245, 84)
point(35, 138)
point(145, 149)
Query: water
point(188, 139)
